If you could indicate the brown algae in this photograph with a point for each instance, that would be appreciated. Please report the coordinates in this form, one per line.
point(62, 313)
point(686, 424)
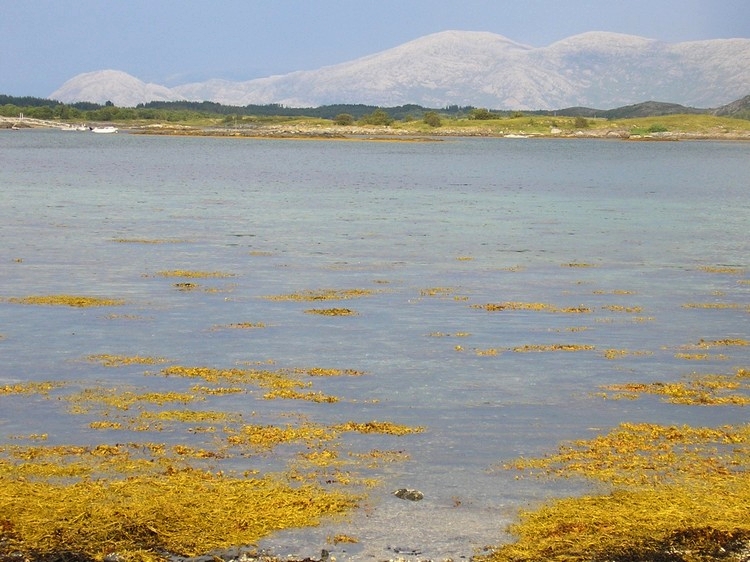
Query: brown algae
point(704, 390)
point(148, 515)
point(42, 388)
point(191, 274)
point(332, 311)
point(678, 493)
point(90, 502)
point(535, 306)
point(553, 347)
point(323, 295)
point(638, 454)
point(668, 523)
point(109, 360)
point(77, 301)
point(240, 326)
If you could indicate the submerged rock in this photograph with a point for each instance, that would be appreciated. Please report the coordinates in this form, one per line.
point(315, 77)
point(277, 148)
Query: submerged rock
point(406, 494)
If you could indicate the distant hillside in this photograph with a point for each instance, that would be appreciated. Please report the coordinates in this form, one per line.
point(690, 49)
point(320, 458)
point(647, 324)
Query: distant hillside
point(479, 69)
point(739, 108)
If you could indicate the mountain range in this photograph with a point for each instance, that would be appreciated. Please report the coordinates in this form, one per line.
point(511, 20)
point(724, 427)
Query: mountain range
point(480, 69)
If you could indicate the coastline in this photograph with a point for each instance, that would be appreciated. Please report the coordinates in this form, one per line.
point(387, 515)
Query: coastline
point(387, 133)
point(405, 133)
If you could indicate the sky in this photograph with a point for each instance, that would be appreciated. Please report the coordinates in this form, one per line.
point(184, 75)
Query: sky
point(43, 43)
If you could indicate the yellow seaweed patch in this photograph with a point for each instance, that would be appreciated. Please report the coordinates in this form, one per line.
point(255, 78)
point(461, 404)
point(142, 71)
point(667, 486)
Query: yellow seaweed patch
point(648, 454)
point(66, 300)
point(324, 457)
point(705, 390)
point(30, 437)
point(487, 352)
point(122, 399)
point(388, 428)
point(194, 274)
point(628, 309)
point(323, 295)
point(338, 539)
point(240, 326)
point(280, 380)
point(30, 387)
point(321, 372)
point(711, 305)
point(105, 425)
point(675, 523)
point(147, 517)
point(376, 457)
point(553, 347)
point(536, 306)
point(120, 360)
point(722, 269)
point(708, 344)
point(620, 353)
point(290, 394)
point(281, 383)
point(216, 390)
point(332, 311)
point(270, 436)
point(91, 502)
point(191, 416)
point(699, 356)
point(123, 317)
point(437, 291)
point(614, 292)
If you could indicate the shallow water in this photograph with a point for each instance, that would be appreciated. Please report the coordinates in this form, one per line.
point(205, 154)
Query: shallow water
point(566, 222)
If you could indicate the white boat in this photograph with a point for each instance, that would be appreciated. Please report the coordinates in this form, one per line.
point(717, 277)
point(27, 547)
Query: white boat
point(103, 129)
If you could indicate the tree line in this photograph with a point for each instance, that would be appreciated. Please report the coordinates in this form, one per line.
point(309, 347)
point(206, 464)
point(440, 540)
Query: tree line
point(175, 111)
point(41, 108)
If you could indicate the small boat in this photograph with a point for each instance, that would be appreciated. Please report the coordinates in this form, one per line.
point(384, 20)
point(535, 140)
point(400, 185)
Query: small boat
point(103, 129)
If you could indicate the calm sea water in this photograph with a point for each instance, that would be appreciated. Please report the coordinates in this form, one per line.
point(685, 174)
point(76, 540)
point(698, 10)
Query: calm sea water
point(566, 222)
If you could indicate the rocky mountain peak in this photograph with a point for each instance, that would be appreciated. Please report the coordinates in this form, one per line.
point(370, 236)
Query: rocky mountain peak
point(482, 69)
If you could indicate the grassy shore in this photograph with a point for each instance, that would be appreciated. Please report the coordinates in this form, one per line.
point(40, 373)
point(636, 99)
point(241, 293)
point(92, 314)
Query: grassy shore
point(672, 127)
point(668, 127)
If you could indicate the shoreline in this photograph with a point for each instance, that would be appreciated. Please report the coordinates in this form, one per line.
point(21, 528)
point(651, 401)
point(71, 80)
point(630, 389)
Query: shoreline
point(378, 133)
point(391, 134)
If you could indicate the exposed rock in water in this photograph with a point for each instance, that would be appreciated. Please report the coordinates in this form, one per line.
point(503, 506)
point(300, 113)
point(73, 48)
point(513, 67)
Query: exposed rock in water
point(406, 494)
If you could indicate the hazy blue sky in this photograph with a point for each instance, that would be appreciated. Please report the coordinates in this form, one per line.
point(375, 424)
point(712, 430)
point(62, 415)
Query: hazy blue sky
point(43, 43)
